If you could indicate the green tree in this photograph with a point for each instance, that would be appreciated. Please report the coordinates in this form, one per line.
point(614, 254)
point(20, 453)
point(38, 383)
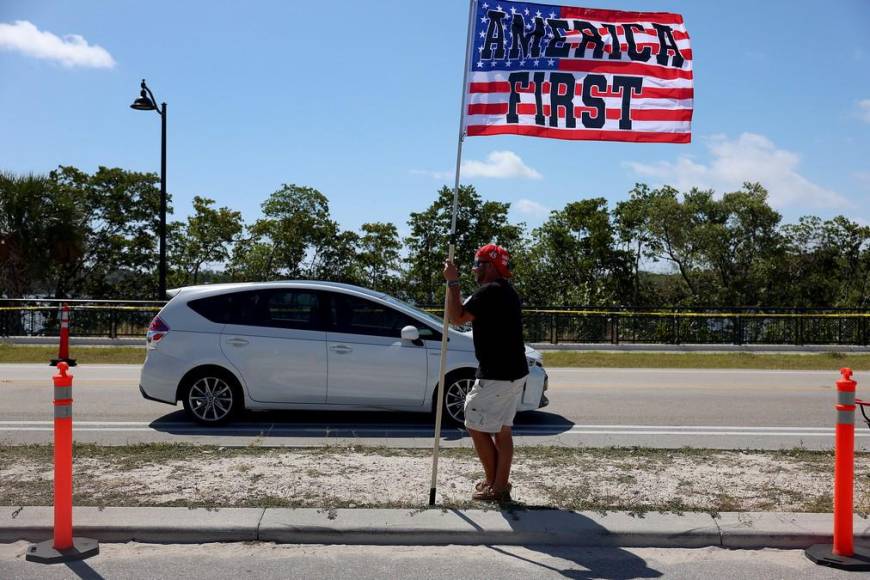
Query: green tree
point(573, 258)
point(828, 262)
point(335, 258)
point(117, 219)
point(287, 240)
point(478, 223)
point(633, 228)
point(379, 256)
point(207, 236)
point(39, 229)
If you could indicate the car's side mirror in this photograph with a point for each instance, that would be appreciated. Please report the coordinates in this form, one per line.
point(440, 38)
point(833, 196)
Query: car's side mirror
point(410, 333)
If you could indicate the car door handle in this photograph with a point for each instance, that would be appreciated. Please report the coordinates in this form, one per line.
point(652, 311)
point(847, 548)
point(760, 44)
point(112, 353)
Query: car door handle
point(340, 349)
point(237, 341)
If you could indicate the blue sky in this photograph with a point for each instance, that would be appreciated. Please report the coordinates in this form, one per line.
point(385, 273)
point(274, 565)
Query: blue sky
point(361, 101)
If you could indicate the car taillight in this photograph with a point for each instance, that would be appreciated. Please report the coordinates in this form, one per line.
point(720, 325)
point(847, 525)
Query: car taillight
point(156, 330)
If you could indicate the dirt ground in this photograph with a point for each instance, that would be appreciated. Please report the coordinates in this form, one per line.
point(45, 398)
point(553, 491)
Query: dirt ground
point(620, 479)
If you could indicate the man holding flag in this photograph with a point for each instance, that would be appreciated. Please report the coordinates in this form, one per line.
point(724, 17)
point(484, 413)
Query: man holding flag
point(496, 320)
point(558, 72)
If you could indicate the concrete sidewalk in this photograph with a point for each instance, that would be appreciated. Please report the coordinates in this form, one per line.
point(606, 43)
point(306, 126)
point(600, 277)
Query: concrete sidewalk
point(431, 527)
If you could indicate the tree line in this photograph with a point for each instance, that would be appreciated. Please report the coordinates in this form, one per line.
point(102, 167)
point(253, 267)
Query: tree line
point(74, 234)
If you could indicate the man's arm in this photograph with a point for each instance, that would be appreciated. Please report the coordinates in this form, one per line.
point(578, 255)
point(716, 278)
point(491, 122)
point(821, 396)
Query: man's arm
point(456, 312)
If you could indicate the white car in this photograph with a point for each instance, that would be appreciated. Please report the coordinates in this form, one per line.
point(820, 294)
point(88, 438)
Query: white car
point(312, 345)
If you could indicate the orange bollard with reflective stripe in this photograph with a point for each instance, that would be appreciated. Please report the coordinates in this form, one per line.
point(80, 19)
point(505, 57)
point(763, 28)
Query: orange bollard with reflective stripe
point(842, 553)
point(844, 465)
point(63, 348)
point(62, 458)
point(63, 547)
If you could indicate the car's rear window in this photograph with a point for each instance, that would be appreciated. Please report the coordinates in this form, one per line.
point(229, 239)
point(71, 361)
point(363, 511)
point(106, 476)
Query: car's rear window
point(277, 308)
point(215, 308)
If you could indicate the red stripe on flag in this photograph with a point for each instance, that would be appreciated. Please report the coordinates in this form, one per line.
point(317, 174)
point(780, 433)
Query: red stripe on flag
point(620, 67)
point(661, 114)
point(493, 87)
point(579, 134)
point(609, 16)
point(657, 93)
point(490, 109)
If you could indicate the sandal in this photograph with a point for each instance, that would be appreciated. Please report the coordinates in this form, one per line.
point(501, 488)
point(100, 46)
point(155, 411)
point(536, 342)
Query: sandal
point(483, 484)
point(490, 494)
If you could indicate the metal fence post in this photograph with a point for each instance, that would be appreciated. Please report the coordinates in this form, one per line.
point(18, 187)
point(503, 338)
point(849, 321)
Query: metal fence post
point(798, 330)
point(615, 326)
point(553, 338)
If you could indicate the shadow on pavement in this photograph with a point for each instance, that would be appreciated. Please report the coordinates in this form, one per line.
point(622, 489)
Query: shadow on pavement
point(612, 562)
point(82, 570)
point(349, 424)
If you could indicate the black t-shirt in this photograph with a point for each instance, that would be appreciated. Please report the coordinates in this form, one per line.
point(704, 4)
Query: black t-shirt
point(498, 332)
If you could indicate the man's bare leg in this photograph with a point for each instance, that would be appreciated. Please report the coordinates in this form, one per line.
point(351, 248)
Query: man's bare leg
point(486, 452)
point(504, 442)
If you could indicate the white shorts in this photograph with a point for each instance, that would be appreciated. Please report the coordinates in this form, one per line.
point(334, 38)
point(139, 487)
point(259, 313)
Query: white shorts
point(491, 405)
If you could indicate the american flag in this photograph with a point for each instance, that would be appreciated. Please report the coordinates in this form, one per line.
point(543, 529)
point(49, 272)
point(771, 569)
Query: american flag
point(566, 72)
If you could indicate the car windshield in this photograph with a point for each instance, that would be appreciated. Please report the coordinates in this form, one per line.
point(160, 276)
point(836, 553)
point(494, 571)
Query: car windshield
point(427, 315)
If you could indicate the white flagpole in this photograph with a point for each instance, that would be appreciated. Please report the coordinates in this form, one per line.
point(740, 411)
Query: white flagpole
point(439, 405)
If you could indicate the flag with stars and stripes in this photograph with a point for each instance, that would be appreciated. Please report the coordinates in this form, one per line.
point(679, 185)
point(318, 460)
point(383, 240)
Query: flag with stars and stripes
point(565, 72)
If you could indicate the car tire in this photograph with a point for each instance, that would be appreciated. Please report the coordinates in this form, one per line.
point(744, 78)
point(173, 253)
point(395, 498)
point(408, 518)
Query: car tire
point(212, 397)
point(458, 386)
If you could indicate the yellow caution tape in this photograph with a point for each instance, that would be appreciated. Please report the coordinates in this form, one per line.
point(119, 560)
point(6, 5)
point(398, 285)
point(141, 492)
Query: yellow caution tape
point(624, 314)
point(53, 308)
point(688, 314)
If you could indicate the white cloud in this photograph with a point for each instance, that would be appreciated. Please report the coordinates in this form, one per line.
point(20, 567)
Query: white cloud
point(432, 174)
point(499, 165)
point(864, 106)
point(750, 157)
point(71, 50)
point(531, 208)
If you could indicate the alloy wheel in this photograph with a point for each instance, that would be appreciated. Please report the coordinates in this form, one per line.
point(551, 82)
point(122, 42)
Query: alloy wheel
point(454, 399)
point(210, 399)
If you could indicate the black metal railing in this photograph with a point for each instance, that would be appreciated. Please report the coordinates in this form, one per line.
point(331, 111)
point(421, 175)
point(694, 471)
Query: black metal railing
point(794, 326)
point(91, 318)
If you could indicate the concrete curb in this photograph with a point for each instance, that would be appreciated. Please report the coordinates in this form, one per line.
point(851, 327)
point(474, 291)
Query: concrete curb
point(430, 527)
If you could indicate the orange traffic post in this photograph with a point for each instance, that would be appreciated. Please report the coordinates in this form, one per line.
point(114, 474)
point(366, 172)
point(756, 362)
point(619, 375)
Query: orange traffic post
point(63, 547)
point(842, 553)
point(63, 349)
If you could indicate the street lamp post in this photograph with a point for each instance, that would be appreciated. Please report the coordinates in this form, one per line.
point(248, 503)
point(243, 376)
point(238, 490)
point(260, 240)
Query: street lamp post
point(147, 102)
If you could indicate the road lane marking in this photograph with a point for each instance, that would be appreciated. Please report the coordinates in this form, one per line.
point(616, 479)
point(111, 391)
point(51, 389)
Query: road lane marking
point(386, 430)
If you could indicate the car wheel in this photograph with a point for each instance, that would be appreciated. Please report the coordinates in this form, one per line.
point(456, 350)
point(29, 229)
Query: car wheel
point(212, 398)
point(454, 398)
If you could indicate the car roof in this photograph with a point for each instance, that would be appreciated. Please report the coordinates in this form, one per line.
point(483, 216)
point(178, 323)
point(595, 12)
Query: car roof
point(203, 290)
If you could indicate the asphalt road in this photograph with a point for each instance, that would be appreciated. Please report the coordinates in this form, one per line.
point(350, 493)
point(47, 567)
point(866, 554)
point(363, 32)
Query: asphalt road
point(261, 560)
point(588, 407)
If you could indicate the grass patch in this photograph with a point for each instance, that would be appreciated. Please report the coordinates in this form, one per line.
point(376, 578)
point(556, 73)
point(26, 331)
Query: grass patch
point(633, 479)
point(831, 361)
point(12, 353)
point(738, 360)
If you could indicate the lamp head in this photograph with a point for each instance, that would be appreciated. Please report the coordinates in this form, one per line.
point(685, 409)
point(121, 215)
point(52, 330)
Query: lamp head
point(143, 103)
